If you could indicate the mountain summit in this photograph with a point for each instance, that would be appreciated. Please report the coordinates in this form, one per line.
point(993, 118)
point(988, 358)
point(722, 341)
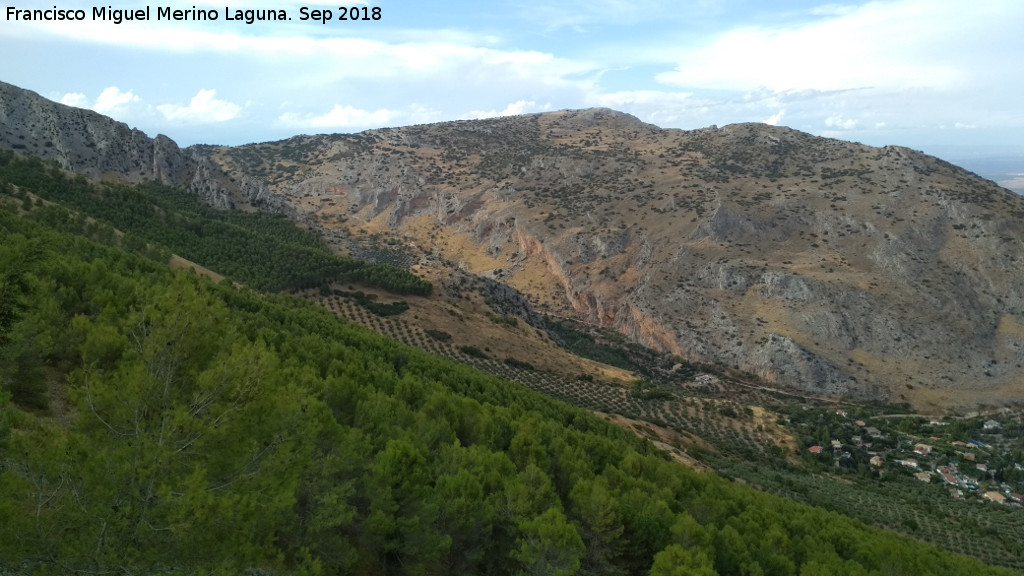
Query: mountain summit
point(819, 264)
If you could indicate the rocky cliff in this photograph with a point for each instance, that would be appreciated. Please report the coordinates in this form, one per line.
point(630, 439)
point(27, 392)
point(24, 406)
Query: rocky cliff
point(815, 263)
point(820, 264)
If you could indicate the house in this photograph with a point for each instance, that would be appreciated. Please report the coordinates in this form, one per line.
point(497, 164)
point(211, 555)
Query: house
point(959, 443)
point(991, 425)
point(1016, 497)
point(836, 445)
point(956, 493)
point(861, 423)
point(922, 449)
point(969, 456)
point(815, 449)
point(842, 413)
point(924, 476)
point(705, 379)
point(876, 461)
point(857, 440)
point(982, 467)
point(994, 496)
point(909, 462)
point(976, 443)
point(873, 432)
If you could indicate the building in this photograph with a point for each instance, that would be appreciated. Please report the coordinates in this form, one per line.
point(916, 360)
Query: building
point(815, 449)
point(909, 462)
point(705, 379)
point(922, 449)
point(924, 476)
point(873, 432)
point(876, 461)
point(991, 425)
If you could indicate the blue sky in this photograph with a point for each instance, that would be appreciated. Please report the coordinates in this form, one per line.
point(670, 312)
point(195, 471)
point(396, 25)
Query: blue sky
point(929, 74)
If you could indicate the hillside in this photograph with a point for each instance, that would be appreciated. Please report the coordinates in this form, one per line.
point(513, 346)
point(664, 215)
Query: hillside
point(822, 265)
point(152, 421)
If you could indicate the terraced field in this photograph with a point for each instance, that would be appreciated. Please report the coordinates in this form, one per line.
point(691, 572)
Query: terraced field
point(988, 532)
point(730, 425)
point(719, 413)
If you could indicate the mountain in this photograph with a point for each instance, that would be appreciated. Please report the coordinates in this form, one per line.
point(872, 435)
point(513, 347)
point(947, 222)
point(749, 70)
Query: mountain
point(153, 422)
point(823, 265)
point(97, 146)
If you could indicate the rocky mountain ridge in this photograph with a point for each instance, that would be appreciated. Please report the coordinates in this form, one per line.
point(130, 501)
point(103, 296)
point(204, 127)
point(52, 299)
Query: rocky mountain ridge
point(819, 264)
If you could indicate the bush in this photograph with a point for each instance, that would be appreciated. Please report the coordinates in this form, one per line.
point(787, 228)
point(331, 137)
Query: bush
point(473, 351)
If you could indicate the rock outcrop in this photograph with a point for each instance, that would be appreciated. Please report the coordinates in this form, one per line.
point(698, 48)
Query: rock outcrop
point(86, 142)
point(819, 264)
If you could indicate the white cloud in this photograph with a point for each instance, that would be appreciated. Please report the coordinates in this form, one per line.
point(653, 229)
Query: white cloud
point(839, 122)
point(514, 109)
point(964, 126)
point(203, 108)
point(349, 117)
point(76, 99)
point(775, 118)
point(894, 45)
point(579, 15)
point(340, 117)
point(640, 97)
point(113, 101)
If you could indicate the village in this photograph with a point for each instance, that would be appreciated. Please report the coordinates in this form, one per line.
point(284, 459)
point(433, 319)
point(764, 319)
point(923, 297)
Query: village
point(975, 457)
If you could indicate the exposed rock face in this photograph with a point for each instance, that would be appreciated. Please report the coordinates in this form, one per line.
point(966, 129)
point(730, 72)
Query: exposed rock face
point(820, 264)
point(96, 146)
point(825, 265)
point(86, 142)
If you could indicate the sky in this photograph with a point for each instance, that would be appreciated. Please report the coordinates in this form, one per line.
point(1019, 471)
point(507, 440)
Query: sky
point(935, 75)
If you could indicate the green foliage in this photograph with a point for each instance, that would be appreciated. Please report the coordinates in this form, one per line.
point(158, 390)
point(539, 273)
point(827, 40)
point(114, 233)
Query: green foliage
point(644, 389)
point(262, 250)
point(521, 364)
point(472, 351)
point(609, 347)
point(549, 546)
point(209, 429)
point(678, 561)
point(504, 320)
point(369, 301)
point(439, 335)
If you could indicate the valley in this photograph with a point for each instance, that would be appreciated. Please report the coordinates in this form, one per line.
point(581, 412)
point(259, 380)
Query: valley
point(748, 303)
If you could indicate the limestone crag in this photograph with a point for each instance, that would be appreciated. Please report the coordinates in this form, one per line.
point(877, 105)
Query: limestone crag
point(819, 264)
point(825, 265)
point(86, 142)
